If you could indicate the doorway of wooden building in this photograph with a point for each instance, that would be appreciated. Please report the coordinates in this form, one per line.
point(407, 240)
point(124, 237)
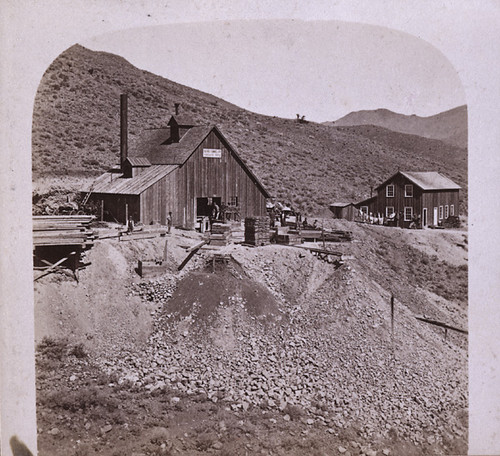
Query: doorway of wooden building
point(424, 217)
point(208, 207)
point(435, 219)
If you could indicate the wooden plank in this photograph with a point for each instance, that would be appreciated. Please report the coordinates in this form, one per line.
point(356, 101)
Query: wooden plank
point(138, 236)
point(441, 324)
point(196, 246)
point(51, 268)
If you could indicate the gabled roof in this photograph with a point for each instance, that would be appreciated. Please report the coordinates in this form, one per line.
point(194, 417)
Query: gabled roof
point(154, 145)
point(431, 180)
point(113, 181)
point(427, 180)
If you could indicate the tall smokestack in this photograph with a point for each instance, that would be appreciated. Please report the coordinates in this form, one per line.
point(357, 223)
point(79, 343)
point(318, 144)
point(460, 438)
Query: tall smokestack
point(177, 108)
point(123, 129)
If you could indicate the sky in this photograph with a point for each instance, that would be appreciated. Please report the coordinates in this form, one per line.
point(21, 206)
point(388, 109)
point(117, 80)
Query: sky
point(320, 69)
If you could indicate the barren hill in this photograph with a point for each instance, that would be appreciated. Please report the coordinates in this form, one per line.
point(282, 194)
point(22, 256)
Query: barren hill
point(449, 126)
point(76, 133)
point(272, 352)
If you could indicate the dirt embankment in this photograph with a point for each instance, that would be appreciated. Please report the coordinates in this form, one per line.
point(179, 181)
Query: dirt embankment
point(272, 351)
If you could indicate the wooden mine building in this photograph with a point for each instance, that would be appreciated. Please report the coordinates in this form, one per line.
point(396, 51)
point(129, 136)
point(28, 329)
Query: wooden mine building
point(429, 195)
point(182, 168)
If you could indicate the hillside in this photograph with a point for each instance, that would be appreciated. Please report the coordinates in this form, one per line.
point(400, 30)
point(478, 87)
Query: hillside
point(449, 126)
point(272, 352)
point(76, 134)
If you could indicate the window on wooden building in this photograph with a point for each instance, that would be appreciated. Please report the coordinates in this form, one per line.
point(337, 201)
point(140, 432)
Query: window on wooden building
point(233, 201)
point(389, 191)
point(408, 213)
point(446, 212)
point(452, 210)
point(409, 191)
point(389, 210)
point(364, 209)
point(440, 212)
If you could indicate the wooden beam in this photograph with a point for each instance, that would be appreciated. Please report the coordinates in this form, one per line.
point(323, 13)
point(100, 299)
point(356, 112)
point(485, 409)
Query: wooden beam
point(190, 255)
point(52, 268)
point(442, 325)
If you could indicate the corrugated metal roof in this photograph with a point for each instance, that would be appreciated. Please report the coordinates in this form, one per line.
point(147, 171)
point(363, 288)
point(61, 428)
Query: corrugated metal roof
point(138, 161)
point(431, 180)
point(114, 182)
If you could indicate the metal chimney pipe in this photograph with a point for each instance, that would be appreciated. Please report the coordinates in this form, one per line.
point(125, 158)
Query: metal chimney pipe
point(177, 108)
point(123, 129)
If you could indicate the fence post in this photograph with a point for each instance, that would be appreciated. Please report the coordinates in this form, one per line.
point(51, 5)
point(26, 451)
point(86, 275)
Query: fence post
point(392, 314)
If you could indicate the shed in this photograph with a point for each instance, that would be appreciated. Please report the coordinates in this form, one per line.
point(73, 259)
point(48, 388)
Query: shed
point(183, 168)
point(343, 211)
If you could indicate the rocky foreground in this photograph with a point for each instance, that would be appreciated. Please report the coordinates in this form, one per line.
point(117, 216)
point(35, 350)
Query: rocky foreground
point(327, 355)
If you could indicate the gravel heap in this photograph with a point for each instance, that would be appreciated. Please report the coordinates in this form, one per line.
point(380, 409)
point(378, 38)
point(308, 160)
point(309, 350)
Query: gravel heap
point(326, 357)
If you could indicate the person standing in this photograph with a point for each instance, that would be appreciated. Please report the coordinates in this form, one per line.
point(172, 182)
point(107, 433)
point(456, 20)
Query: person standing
point(169, 222)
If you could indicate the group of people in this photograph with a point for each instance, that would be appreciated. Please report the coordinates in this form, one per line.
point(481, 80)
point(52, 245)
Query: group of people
point(395, 219)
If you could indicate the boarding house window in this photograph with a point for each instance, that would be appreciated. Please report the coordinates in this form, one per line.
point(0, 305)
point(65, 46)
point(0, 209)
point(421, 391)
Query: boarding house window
point(440, 212)
point(233, 201)
point(446, 212)
point(389, 191)
point(389, 210)
point(408, 213)
point(452, 210)
point(409, 191)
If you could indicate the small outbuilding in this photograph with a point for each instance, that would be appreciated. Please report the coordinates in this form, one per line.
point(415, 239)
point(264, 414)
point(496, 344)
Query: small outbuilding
point(343, 211)
point(187, 169)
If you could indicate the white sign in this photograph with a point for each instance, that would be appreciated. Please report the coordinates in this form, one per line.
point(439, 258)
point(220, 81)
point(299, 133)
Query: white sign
point(212, 153)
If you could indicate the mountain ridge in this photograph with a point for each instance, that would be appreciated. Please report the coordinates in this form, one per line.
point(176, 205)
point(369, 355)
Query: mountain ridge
point(76, 133)
point(448, 126)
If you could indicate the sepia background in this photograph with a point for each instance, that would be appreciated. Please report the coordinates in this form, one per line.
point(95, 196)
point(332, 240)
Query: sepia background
point(34, 33)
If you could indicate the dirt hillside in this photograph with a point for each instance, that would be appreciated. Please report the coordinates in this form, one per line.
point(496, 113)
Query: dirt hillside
point(267, 351)
point(76, 134)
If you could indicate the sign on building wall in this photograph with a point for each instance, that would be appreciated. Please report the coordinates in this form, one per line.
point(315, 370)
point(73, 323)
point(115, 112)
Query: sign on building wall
point(212, 153)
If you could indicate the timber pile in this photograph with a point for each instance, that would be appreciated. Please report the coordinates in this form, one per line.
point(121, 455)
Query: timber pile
point(220, 234)
point(287, 236)
point(237, 232)
point(63, 230)
point(328, 236)
point(257, 230)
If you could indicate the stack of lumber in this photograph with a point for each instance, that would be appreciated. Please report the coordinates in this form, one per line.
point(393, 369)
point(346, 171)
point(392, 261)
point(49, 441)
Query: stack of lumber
point(288, 237)
point(220, 234)
point(329, 236)
point(257, 230)
point(63, 230)
point(338, 236)
point(237, 232)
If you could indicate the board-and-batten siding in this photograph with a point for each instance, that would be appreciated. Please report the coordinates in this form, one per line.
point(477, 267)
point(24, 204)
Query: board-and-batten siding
point(434, 199)
point(421, 199)
point(224, 177)
point(159, 199)
point(399, 201)
point(201, 177)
